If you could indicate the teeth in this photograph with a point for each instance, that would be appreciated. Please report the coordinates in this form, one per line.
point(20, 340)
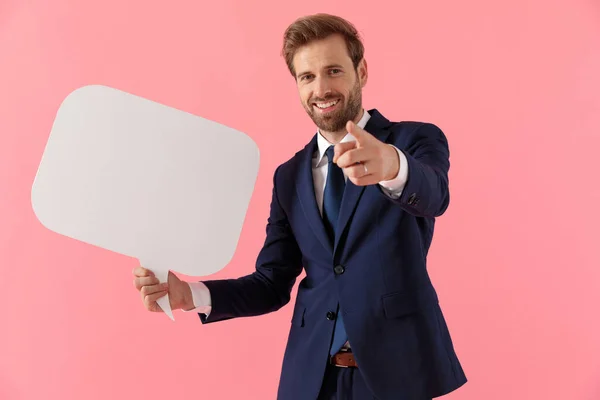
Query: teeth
point(325, 105)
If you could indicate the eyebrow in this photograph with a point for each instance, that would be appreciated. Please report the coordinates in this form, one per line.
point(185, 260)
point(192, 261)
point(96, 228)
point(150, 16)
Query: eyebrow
point(326, 67)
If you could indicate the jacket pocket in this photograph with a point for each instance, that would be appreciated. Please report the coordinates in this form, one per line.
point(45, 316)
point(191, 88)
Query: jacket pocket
point(298, 316)
point(399, 304)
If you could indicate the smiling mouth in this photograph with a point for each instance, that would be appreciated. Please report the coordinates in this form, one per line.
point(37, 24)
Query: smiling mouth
point(326, 107)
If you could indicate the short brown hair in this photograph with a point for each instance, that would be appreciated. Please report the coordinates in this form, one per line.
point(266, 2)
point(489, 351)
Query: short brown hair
point(316, 27)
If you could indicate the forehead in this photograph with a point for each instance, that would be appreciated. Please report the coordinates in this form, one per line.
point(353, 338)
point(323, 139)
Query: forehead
point(319, 54)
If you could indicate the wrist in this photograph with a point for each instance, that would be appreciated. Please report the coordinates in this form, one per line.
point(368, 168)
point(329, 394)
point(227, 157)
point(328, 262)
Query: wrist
point(188, 298)
point(395, 167)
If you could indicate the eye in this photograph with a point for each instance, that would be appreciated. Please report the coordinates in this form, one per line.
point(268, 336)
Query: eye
point(335, 70)
point(305, 77)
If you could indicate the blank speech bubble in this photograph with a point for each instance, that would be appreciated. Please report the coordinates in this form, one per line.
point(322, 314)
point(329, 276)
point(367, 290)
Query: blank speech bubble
point(145, 180)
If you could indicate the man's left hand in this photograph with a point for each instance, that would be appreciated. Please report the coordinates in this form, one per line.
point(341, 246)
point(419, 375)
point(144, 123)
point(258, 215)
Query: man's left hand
point(368, 160)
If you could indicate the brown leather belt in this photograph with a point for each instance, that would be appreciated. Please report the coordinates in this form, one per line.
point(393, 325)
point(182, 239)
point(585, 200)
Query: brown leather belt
point(344, 359)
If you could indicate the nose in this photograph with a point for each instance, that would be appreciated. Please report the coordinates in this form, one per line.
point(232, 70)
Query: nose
point(322, 88)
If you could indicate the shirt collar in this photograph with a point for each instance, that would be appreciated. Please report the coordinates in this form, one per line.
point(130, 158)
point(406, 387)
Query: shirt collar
point(323, 144)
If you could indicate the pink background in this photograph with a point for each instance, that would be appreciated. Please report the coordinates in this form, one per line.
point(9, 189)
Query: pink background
point(513, 84)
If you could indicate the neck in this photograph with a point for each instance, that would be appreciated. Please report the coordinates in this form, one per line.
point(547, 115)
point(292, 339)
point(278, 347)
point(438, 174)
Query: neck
point(336, 137)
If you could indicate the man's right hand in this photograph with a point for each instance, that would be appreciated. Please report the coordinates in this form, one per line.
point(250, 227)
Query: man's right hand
point(180, 294)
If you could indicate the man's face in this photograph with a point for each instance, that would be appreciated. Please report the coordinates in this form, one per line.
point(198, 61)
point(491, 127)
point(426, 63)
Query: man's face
point(329, 87)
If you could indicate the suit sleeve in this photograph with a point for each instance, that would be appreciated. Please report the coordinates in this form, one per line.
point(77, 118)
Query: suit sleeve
point(267, 288)
point(426, 192)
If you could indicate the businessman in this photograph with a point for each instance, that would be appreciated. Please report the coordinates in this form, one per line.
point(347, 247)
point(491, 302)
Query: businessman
point(355, 208)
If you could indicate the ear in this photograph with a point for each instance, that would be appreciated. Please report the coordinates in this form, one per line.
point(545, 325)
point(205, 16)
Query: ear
point(363, 73)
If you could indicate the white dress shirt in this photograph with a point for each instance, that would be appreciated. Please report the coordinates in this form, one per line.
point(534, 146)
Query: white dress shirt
point(393, 188)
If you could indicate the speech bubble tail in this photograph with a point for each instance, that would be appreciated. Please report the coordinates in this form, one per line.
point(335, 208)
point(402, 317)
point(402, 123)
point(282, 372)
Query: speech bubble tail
point(164, 303)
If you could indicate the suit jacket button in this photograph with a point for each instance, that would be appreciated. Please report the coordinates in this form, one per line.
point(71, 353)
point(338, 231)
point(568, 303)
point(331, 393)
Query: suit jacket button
point(339, 269)
point(331, 315)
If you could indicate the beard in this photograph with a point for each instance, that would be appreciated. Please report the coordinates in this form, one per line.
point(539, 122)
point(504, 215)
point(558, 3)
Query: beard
point(336, 121)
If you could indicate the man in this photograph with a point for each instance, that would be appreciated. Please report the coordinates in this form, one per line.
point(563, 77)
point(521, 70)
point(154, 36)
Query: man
point(356, 209)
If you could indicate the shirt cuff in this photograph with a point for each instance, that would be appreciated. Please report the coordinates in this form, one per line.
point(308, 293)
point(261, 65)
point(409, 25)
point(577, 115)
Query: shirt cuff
point(395, 186)
point(201, 298)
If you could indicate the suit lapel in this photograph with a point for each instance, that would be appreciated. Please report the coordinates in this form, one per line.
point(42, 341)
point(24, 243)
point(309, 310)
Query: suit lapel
point(306, 193)
point(376, 126)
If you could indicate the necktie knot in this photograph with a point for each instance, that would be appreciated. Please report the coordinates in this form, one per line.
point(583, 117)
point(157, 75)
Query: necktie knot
point(329, 153)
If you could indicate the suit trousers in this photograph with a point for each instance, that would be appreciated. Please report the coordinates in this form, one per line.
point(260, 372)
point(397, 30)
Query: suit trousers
point(344, 384)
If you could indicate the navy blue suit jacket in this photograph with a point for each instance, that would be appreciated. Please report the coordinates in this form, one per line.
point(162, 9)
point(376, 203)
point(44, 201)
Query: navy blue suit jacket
point(391, 311)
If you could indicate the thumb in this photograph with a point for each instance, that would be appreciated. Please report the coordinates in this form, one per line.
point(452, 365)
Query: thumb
point(361, 136)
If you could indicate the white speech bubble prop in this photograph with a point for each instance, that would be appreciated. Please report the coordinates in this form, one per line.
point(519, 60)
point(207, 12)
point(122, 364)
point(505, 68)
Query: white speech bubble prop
point(145, 180)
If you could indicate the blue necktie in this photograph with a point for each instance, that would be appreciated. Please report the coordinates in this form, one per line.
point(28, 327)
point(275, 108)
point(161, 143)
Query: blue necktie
point(332, 200)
